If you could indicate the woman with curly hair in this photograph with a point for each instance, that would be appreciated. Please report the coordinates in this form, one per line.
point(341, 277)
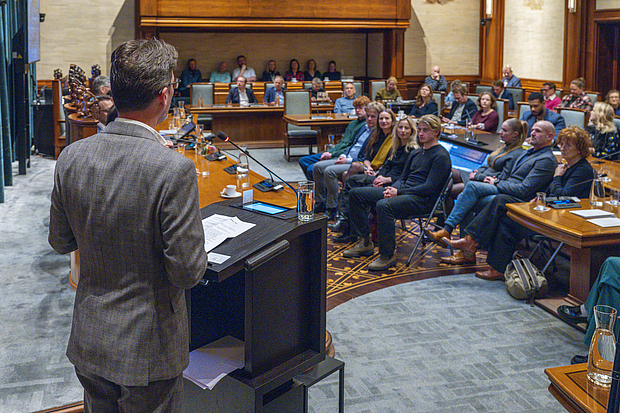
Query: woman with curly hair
point(603, 132)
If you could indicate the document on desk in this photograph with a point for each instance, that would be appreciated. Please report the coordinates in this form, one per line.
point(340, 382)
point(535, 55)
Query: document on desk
point(218, 228)
point(592, 213)
point(606, 222)
point(211, 363)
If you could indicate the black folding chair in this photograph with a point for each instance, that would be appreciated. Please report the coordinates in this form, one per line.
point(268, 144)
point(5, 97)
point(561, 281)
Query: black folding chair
point(424, 220)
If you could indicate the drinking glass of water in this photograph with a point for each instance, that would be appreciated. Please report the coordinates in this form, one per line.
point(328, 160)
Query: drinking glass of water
point(541, 204)
point(305, 202)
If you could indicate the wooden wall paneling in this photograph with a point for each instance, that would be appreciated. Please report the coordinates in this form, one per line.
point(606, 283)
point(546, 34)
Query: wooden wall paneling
point(574, 39)
point(602, 53)
point(491, 42)
point(394, 53)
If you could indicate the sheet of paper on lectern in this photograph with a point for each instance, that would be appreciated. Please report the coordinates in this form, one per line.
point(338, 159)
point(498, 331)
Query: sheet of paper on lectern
point(211, 363)
point(218, 228)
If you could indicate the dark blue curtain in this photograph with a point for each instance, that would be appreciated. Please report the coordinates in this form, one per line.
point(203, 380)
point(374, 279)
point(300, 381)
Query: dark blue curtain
point(8, 29)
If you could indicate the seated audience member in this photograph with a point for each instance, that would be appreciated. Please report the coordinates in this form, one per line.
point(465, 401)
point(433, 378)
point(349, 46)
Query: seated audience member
point(293, 73)
point(389, 92)
point(331, 73)
point(243, 70)
point(311, 71)
point(327, 173)
point(424, 103)
point(462, 110)
point(486, 118)
point(604, 291)
point(552, 100)
point(318, 94)
point(345, 103)
point(493, 231)
point(270, 74)
point(577, 98)
point(436, 81)
point(512, 135)
point(377, 147)
point(500, 92)
point(106, 104)
point(240, 94)
point(538, 112)
point(350, 136)
point(530, 173)
point(189, 76)
point(222, 75)
point(603, 132)
point(510, 80)
point(449, 99)
point(403, 141)
point(613, 99)
point(101, 85)
point(415, 191)
point(275, 94)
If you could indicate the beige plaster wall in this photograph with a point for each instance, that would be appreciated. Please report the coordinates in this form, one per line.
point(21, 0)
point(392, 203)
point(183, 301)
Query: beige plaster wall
point(607, 4)
point(347, 49)
point(82, 32)
point(534, 42)
point(445, 35)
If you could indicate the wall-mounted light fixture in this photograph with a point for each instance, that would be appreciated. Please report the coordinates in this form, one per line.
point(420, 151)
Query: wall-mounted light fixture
point(572, 6)
point(488, 9)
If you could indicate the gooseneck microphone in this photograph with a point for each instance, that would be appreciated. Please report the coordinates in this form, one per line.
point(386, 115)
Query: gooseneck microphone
point(225, 138)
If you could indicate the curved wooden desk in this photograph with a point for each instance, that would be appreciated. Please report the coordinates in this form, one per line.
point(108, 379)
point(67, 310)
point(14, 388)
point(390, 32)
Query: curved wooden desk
point(570, 386)
point(589, 245)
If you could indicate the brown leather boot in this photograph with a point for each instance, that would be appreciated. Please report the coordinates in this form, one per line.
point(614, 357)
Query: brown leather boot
point(460, 258)
point(490, 275)
point(467, 244)
point(438, 235)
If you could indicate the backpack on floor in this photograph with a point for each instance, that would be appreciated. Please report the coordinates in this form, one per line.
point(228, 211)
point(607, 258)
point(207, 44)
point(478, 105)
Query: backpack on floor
point(524, 281)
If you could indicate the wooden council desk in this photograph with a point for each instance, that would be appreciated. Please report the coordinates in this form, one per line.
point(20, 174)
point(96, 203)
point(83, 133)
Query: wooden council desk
point(571, 387)
point(256, 126)
point(589, 245)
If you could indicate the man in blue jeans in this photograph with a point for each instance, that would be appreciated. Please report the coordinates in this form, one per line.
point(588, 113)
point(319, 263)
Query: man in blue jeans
point(307, 162)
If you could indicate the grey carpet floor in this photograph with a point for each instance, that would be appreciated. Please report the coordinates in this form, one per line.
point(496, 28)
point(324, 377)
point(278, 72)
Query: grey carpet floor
point(453, 344)
point(449, 344)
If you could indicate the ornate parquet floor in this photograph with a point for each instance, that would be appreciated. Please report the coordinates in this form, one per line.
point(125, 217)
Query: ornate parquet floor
point(348, 278)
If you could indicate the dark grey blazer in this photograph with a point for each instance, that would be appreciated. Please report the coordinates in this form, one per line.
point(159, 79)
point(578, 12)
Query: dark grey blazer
point(532, 172)
point(233, 95)
point(131, 207)
point(501, 162)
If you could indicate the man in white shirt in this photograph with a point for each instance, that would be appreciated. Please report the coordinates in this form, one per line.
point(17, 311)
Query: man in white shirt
point(243, 70)
point(240, 94)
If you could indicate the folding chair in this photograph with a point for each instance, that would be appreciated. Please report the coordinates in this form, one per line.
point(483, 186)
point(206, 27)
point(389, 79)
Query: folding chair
point(543, 243)
point(424, 220)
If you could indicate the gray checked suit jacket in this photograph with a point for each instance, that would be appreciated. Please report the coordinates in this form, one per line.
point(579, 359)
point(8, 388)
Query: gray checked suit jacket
point(532, 172)
point(131, 207)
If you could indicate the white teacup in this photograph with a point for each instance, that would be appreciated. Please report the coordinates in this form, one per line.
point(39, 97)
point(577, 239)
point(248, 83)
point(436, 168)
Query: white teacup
point(231, 190)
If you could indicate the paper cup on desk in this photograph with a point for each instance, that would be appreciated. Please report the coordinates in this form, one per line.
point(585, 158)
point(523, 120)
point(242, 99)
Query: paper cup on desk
point(231, 190)
point(305, 201)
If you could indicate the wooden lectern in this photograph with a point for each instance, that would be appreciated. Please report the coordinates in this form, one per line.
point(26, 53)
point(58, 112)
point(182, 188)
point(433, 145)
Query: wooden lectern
point(270, 294)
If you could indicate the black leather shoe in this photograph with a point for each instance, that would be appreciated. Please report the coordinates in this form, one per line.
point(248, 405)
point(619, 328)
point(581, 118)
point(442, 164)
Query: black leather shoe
point(331, 213)
point(320, 207)
point(579, 359)
point(342, 225)
point(571, 314)
point(344, 238)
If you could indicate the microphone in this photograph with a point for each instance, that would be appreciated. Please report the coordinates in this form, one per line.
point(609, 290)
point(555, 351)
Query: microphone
point(473, 140)
point(608, 155)
point(225, 138)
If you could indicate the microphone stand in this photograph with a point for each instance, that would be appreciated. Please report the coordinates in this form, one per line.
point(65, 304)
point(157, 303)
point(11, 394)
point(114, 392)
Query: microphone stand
point(225, 138)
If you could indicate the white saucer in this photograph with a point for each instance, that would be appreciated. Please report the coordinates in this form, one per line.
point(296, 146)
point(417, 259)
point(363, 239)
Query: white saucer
point(236, 195)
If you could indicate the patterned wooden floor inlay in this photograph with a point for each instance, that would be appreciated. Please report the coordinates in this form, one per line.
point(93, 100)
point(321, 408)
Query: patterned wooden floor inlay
point(348, 277)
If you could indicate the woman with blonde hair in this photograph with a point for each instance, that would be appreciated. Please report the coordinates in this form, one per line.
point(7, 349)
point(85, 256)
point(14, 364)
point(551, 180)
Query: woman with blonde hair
point(603, 132)
point(577, 98)
point(403, 141)
point(389, 92)
point(424, 102)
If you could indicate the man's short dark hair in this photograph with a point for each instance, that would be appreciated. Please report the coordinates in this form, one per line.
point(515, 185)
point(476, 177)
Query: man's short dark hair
point(498, 83)
point(536, 96)
point(140, 70)
point(100, 81)
point(240, 56)
point(550, 84)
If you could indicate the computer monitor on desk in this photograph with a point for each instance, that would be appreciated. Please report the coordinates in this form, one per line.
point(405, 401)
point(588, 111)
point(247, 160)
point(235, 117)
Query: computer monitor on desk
point(464, 158)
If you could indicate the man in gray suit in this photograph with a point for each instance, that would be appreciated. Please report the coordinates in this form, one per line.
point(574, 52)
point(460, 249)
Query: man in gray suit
point(131, 207)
